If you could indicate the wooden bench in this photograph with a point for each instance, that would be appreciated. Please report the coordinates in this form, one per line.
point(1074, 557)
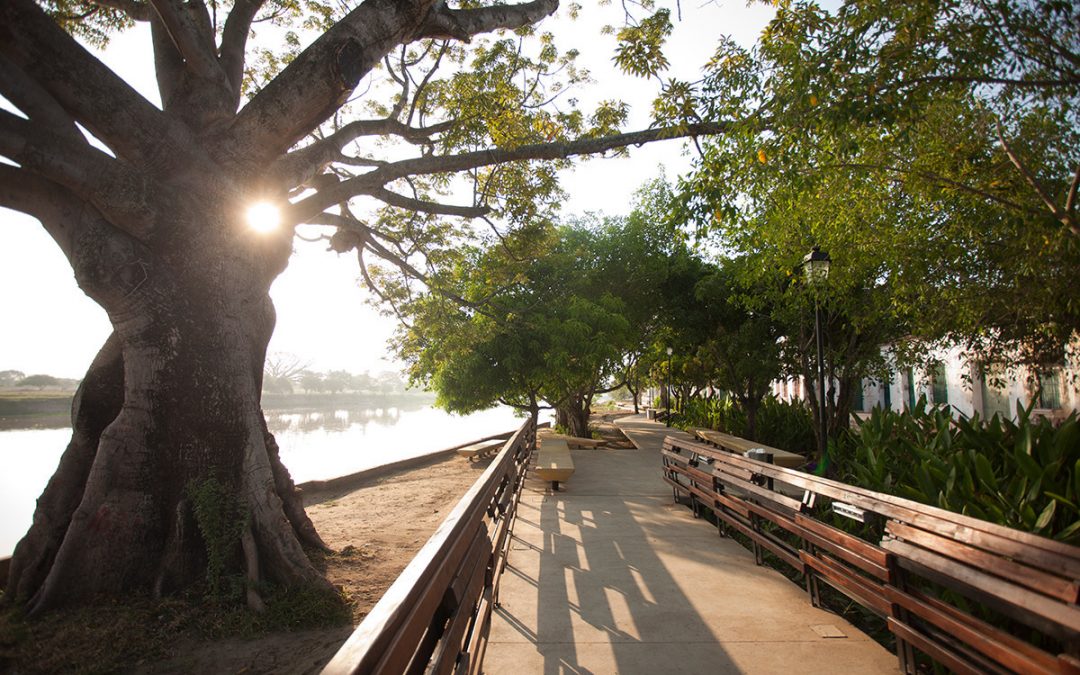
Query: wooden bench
point(1031, 580)
point(481, 449)
point(935, 576)
point(553, 462)
point(741, 446)
point(572, 441)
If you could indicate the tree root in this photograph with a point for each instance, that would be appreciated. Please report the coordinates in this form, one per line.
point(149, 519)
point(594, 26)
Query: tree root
point(251, 566)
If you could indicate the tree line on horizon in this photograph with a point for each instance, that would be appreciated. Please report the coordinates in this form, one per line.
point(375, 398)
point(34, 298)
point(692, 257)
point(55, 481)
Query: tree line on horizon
point(288, 374)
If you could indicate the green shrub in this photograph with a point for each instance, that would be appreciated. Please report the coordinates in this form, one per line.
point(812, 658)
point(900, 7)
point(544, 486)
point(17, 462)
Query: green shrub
point(1023, 474)
point(788, 426)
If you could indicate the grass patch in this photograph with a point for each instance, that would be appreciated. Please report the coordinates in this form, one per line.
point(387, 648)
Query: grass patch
point(28, 395)
point(118, 636)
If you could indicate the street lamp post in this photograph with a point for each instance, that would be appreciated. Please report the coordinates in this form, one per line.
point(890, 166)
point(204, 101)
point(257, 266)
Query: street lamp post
point(667, 388)
point(816, 266)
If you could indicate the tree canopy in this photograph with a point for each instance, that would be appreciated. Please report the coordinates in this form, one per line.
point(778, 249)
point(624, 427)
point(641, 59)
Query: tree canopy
point(365, 121)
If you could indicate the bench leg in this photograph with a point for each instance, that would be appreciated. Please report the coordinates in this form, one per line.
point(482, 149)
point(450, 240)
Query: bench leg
point(555, 485)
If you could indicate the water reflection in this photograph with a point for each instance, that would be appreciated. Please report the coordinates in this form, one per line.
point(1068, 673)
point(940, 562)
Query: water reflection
point(331, 420)
point(316, 444)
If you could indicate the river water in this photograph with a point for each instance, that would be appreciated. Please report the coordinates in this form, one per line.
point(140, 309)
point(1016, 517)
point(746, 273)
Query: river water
point(315, 444)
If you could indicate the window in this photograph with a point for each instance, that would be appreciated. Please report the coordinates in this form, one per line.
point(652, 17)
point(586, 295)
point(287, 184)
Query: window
point(940, 385)
point(910, 389)
point(857, 403)
point(1050, 390)
point(994, 394)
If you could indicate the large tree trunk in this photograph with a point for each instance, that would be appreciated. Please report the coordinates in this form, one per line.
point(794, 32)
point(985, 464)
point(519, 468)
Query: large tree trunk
point(574, 416)
point(170, 405)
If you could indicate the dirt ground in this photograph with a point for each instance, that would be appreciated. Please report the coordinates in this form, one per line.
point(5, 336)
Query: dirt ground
point(375, 527)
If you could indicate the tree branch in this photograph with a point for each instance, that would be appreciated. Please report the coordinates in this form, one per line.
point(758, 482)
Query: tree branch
point(937, 178)
point(1064, 218)
point(60, 213)
point(1070, 201)
point(394, 199)
point(92, 94)
point(134, 9)
point(299, 166)
point(122, 194)
point(35, 102)
point(1008, 81)
point(188, 35)
point(364, 184)
point(308, 91)
point(168, 64)
point(463, 24)
point(234, 38)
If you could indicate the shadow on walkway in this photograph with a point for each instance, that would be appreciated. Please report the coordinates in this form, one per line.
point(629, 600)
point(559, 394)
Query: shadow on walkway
point(608, 576)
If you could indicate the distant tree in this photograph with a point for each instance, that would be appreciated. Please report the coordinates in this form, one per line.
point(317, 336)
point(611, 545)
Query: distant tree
point(530, 333)
point(38, 381)
point(8, 378)
point(741, 346)
point(311, 381)
point(336, 381)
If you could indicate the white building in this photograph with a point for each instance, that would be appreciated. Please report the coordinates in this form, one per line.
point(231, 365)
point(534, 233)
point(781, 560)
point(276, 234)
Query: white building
point(965, 386)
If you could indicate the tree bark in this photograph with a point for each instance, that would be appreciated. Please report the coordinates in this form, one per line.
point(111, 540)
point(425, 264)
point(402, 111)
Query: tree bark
point(171, 402)
point(574, 416)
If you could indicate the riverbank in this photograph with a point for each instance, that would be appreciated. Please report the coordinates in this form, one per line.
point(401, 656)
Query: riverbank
point(374, 527)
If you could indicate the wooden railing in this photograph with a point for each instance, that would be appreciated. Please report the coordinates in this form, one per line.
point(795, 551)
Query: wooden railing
point(436, 616)
point(971, 595)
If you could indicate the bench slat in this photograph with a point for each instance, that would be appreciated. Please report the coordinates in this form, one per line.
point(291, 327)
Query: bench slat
point(850, 584)
point(995, 643)
point(994, 563)
point(936, 651)
point(864, 555)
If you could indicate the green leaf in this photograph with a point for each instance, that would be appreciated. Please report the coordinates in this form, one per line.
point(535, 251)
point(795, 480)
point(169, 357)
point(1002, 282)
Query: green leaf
point(985, 472)
point(1046, 516)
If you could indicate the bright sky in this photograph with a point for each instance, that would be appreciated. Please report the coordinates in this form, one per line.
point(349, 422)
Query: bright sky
point(50, 326)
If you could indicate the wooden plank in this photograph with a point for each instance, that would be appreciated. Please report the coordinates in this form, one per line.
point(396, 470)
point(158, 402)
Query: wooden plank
point(572, 441)
point(479, 449)
point(735, 504)
point(762, 493)
point(842, 540)
point(849, 548)
point(700, 477)
point(1063, 589)
point(1054, 556)
point(453, 639)
point(997, 644)
point(1051, 616)
point(733, 471)
point(774, 517)
point(1012, 548)
point(932, 649)
point(769, 542)
point(855, 587)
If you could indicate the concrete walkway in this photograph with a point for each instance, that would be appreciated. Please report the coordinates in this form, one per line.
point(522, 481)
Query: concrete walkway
point(608, 576)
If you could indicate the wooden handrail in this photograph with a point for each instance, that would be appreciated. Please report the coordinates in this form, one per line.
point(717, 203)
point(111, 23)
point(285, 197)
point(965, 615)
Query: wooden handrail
point(926, 557)
point(436, 615)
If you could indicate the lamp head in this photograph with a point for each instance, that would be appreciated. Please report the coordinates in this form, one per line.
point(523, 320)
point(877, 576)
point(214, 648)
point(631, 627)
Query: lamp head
point(816, 266)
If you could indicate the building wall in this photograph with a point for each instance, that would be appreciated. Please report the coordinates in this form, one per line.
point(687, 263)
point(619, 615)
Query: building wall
point(968, 390)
